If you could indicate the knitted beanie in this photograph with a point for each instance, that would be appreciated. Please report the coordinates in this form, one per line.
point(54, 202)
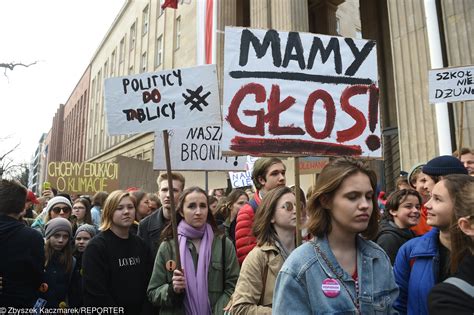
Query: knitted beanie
point(57, 225)
point(54, 201)
point(86, 228)
point(444, 165)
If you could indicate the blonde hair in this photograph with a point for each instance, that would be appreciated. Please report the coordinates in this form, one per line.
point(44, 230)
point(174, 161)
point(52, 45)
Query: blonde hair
point(110, 205)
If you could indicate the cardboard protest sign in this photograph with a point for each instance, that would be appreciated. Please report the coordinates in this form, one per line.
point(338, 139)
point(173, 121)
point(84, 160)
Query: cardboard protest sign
point(299, 93)
point(170, 99)
point(83, 178)
point(311, 164)
point(197, 148)
point(451, 84)
point(243, 179)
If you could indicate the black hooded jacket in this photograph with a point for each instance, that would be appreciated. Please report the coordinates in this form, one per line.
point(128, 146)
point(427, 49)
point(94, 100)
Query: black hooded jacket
point(21, 263)
point(448, 299)
point(390, 237)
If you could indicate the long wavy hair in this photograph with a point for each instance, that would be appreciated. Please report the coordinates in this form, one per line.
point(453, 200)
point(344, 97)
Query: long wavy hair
point(263, 228)
point(461, 190)
point(329, 181)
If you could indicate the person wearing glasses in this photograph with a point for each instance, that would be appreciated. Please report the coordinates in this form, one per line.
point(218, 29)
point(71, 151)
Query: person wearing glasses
point(58, 206)
point(81, 213)
point(275, 230)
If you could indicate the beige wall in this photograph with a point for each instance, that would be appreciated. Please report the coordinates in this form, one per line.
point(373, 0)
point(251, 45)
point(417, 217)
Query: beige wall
point(416, 117)
point(411, 62)
point(106, 63)
point(458, 19)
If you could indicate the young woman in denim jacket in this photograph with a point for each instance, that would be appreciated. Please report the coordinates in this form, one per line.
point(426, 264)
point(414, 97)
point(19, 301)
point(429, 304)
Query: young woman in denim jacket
point(339, 271)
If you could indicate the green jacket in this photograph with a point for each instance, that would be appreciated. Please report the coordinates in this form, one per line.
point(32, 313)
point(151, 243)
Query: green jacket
point(160, 289)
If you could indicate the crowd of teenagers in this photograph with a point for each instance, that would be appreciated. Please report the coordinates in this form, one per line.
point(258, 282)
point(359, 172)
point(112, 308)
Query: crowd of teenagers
point(235, 252)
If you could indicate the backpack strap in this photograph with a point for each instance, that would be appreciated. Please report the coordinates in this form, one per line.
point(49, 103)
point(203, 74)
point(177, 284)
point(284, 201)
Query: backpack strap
point(462, 285)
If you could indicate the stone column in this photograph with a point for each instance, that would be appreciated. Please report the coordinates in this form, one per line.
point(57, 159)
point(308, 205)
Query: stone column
point(283, 15)
point(324, 16)
point(226, 16)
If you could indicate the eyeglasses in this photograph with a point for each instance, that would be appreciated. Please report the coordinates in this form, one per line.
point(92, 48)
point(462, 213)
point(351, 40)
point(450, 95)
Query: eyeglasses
point(288, 206)
point(57, 210)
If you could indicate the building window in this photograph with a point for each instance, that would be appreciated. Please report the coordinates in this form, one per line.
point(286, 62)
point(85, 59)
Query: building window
point(145, 20)
point(159, 51)
point(178, 32)
point(99, 86)
point(132, 36)
point(122, 50)
point(113, 62)
point(144, 62)
point(160, 10)
point(106, 69)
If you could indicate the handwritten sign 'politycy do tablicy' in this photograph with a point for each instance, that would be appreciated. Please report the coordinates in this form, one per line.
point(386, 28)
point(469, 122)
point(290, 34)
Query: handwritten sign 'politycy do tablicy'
point(196, 148)
point(176, 98)
point(300, 94)
point(451, 84)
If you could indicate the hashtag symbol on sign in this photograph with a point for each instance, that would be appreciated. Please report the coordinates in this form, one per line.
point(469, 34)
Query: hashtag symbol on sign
point(196, 99)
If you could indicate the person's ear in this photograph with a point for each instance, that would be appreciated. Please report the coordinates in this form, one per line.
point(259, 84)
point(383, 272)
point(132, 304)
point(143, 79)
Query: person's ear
point(393, 212)
point(466, 226)
point(261, 180)
point(326, 202)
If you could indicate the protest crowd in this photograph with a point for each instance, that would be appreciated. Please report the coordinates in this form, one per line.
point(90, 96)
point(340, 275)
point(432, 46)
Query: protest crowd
point(410, 252)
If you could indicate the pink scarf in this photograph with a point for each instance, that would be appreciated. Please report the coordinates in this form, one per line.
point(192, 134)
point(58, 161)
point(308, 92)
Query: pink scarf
point(196, 300)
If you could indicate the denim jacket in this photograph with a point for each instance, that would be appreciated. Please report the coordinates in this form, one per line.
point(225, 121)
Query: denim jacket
point(298, 289)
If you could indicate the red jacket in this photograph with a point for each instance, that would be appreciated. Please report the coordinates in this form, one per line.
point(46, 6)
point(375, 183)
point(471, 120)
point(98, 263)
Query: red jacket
point(244, 239)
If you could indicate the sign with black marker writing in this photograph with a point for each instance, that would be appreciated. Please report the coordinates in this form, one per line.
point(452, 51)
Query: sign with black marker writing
point(300, 94)
point(196, 148)
point(243, 179)
point(169, 99)
point(451, 84)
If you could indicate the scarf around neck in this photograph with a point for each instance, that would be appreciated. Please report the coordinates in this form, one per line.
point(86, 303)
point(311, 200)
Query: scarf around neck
point(196, 300)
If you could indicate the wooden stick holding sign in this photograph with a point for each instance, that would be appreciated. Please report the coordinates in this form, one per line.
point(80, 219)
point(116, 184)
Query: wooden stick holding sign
point(298, 202)
point(171, 192)
point(461, 126)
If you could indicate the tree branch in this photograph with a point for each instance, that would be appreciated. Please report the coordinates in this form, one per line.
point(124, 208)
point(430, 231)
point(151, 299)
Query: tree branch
point(10, 66)
point(13, 149)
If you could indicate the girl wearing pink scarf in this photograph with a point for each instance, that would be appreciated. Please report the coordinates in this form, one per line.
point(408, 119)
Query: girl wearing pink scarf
point(210, 268)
